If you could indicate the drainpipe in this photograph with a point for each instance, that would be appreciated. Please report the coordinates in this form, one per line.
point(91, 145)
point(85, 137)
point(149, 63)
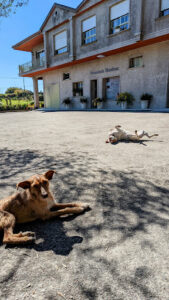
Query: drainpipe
point(36, 95)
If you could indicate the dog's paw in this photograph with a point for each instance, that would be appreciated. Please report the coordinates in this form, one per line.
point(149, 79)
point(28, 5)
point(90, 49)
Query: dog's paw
point(30, 233)
point(27, 233)
point(85, 206)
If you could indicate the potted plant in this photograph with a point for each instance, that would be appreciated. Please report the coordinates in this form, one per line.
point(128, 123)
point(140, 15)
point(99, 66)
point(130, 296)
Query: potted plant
point(83, 101)
point(67, 102)
point(98, 103)
point(145, 100)
point(125, 99)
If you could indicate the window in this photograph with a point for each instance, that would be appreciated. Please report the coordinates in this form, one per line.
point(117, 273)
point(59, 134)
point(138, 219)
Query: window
point(40, 57)
point(89, 30)
point(78, 88)
point(66, 76)
point(60, 41)
point(136, 62)
point(165, 7)
point(119, 17)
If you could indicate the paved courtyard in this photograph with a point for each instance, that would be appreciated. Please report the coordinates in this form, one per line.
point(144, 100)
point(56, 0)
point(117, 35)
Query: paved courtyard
point(117, 251)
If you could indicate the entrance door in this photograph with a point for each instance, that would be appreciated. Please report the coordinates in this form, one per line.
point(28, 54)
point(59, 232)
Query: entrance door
point(93, 91)
point(112, 88)
point(52, 96)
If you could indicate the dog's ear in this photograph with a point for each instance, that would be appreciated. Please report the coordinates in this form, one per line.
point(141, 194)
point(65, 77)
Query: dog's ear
point(49, 174)
point(24, 185)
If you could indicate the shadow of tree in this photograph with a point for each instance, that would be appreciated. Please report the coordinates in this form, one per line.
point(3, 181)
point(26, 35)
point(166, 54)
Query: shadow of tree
point(124, 204)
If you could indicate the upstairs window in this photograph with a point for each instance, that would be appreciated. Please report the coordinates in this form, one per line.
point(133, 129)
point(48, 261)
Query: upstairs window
point(165, 7)
point(89, 30)
point(119, 17)
point(60, 41)
point(136, 62)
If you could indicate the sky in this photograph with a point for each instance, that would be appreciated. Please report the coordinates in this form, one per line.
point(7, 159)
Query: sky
point(14, 29)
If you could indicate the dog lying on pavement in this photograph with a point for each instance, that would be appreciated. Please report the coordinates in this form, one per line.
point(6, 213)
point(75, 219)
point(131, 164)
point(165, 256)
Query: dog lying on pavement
point(35, 202)
point(119, 134)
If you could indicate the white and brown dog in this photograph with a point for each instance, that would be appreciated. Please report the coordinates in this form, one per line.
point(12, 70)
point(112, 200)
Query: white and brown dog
point(119, 134)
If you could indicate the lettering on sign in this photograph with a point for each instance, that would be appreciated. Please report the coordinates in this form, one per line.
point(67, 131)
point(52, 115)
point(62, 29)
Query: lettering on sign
point(104, 70)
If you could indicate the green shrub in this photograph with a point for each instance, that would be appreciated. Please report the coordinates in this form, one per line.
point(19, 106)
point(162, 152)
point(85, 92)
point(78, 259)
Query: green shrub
point(125, 97)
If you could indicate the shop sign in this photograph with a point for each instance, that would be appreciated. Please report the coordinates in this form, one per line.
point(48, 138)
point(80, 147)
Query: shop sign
point(104, 71)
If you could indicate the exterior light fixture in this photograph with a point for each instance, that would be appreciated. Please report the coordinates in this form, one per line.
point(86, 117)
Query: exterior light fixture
point(100, 56)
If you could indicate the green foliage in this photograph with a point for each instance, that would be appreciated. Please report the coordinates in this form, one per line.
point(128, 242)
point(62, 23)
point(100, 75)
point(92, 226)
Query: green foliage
point(18, 99)
point(146, 97)
point(83, 100)
point(9, 6)
point(125, 97)
point(66, 101)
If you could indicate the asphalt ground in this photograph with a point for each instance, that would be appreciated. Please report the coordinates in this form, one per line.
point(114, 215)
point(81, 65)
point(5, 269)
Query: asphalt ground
point(119, 250)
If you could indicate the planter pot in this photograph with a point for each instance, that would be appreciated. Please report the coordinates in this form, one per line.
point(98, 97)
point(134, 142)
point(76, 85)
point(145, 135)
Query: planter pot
point(144, 104)
point(123, 105)
point(83, 105)
point(67, 106)
point(100, 105)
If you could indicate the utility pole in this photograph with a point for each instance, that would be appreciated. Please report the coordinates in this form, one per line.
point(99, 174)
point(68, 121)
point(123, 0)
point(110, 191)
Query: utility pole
point(23, 83)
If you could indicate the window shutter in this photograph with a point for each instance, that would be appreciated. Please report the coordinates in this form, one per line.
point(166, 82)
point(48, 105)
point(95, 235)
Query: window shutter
point(89, 23)
point(120, 9)
point(164, 4)
point(61, 40)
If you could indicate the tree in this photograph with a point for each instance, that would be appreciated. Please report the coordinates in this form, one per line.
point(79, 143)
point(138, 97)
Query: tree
point(9, 6)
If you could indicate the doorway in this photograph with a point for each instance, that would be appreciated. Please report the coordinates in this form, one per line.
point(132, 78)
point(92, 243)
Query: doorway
point(52, 96)
point(93, 92)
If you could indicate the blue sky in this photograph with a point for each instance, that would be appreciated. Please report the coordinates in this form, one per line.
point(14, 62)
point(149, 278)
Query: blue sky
point(15, 28)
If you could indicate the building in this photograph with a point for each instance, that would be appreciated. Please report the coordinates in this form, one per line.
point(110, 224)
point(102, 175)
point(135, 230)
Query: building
point(99, 49)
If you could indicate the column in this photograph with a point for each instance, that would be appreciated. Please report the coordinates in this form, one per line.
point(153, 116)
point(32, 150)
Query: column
point(139, 19)
point(36, 95)
point(71, 43)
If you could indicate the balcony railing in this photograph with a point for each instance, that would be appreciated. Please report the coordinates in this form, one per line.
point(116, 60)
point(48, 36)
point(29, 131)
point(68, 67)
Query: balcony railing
point(30, 66)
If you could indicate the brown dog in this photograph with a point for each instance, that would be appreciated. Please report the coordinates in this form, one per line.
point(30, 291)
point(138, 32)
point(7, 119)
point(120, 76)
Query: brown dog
point(35, 202)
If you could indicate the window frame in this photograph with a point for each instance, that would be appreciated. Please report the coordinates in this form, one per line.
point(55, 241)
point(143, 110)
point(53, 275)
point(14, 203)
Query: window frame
point(162, 12)
point(133, 66)
point(56, 51)
point(83, 33)
point(66, 76)
point(77, 88)
point(122, 24)
point(110, 21)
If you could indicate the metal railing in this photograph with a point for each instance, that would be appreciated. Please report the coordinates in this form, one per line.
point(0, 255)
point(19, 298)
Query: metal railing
point(30, 66)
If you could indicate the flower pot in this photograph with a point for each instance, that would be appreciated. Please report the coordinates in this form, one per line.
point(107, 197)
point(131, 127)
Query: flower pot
point(144, 104)
point(99, 105)
point(83, 105)
point(123, 105)
point(67, 106)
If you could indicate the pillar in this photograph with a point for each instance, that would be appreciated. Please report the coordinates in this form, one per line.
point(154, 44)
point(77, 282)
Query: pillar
point(36, 95)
